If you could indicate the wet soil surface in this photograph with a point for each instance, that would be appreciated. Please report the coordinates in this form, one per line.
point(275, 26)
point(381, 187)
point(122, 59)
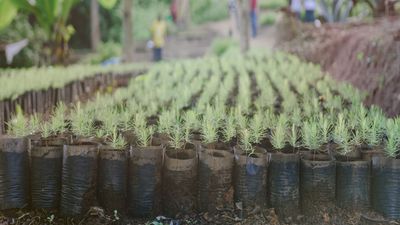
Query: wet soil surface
point(329, 216)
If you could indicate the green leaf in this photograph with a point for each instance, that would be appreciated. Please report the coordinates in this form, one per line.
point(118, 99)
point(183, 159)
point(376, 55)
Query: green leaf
point(8, 11)
point(108, 4)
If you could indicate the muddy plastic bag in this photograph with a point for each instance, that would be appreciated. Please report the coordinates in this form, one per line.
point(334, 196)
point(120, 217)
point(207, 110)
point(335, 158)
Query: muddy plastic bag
point(215, 180)
point(283, 183)
point(144, 186)
point(317, 182)
point(79, 178)
point(352, 184)
point(180, 181)
point(386, 186)
point(112, 179)
point(46, 169)
point(14, 173)
point(250, 179)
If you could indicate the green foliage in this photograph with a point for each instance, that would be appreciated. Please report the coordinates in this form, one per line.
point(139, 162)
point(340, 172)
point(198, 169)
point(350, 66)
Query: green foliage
point(117, 141)
point(393, 137)
point(325, 127)
point(229, 127)
point(19, 125)
point(257, 127)
point(18, 30)
point(8, 11)
point(57, 122)
point(105, 51)
point(208, 10)
point(209, 127)
point(342, 136)
point(108, 4)
point(221, 46)
point(278, 133)
point(144, 135)
point(272, 4)
point(311, 135)
point(81, 122)
point(166, 121)
point(45, 130)
point(294, 136)
point(268, 18)
point(177, 137)
point(245, 141)
point(34, 123)
point(191, 122)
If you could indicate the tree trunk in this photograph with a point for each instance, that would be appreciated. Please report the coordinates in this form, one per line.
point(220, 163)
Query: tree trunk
point(244, 12)
point(95, 24)
point(183, 19)
point(127, 29)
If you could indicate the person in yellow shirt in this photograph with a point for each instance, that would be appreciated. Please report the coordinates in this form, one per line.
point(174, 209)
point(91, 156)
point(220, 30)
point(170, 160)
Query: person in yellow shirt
point(158, 32)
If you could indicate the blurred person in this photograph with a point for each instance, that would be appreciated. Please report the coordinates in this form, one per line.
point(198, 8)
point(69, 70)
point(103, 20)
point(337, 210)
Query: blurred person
point(296, 7)
point(253, 17)
point(174, 10)
point(158, 32)
point(310, 6)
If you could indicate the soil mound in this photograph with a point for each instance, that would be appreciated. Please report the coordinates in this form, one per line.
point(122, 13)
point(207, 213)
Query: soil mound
point(365, 54)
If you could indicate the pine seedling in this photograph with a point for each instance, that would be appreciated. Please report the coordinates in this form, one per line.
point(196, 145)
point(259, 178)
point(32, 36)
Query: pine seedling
point(209, 128)
point(190, 121)
point(229, 128)
point(45, 130)
point(392, 143)
point(310, 135)
point(140, 120)
point(375, 133)
point(19, 125)
point(34, 123)
point(241, 120)
point(57, 122)
point(117, 141)
point(294, 136)
point(324, 127)
point(245, 141)
point(278, 133)
point(177, 137)
point(144, 136)
point(125, 121)
point(166, 121)
point(341, 136)
point(81, 122)
point(296, 117)
point(257, 128)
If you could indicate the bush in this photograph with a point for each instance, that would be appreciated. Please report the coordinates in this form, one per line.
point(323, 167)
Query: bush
point(268, 18)
point(208, 10)
point(32, 54)
point(273, 4)
point(104, 52)
point(221, 46)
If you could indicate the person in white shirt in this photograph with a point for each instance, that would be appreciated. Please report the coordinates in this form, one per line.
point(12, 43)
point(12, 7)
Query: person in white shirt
point(310, 6)
point(296, 7)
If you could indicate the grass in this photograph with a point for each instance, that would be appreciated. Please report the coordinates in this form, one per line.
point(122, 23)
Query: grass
point(268, 18)
point(272, 4)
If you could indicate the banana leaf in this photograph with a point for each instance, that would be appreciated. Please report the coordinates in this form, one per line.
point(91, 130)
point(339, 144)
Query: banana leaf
point(107, 4)
point(8, 11)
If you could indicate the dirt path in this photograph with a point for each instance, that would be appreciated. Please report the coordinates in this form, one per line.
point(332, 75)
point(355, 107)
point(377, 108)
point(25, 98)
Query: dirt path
point(266, 38)
point(196, 41)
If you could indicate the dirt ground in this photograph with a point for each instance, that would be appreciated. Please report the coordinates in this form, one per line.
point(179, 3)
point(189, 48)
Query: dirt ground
point(329, 215)
point(365, 54)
